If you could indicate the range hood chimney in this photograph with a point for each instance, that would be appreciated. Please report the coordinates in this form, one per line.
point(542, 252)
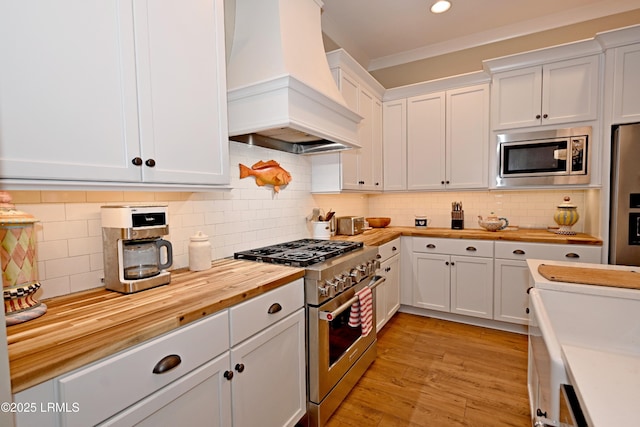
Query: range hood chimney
point(281, 93)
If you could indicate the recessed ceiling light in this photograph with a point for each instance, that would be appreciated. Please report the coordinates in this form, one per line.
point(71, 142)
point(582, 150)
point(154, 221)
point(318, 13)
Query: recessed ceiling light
point(440, 6)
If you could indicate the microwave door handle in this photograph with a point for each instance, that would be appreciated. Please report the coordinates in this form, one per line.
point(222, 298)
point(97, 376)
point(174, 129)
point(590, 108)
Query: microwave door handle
point(330, 315)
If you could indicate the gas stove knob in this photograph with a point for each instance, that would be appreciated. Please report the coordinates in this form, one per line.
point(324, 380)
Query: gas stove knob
point(323, 291)
point(339, 284)
point(331, 289)
point(348, 282)
point(356, 275)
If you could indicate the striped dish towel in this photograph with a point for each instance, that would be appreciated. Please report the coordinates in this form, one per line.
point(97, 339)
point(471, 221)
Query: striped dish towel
point(362, 311)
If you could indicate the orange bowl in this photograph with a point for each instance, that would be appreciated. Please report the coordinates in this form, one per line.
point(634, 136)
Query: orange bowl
point(378, 222)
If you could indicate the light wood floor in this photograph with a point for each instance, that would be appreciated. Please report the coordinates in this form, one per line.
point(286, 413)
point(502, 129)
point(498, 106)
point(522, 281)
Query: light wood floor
point(432, 372)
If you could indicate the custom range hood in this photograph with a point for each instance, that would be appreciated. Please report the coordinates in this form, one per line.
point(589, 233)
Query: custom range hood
point(281, 93)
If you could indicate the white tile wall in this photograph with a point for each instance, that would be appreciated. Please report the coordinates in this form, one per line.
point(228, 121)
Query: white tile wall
point(70, 240)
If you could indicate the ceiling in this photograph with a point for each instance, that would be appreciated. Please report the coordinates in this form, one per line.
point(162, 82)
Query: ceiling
point(384, 33)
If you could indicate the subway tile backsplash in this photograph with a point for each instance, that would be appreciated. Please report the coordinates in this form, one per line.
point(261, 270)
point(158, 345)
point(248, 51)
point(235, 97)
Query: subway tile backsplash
point(247, 216)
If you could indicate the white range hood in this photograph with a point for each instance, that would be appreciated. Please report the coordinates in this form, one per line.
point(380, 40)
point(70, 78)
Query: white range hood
point(281, 93)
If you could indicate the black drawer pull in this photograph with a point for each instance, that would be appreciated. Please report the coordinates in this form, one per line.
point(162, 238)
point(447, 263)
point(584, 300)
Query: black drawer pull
point(228, 375)
point(166, 364)
point(529, 289)
point(572, 255)
point(431, 246)
point(393, 248)
point(518, 252)
point(471, 248)
point(275, 307)
point(239, 367)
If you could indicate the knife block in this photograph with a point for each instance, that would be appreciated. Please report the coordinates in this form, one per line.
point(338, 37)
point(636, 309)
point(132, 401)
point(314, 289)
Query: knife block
point(457, 220)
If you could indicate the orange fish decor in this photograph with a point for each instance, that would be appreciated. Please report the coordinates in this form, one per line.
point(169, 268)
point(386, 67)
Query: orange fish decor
point(267, 173)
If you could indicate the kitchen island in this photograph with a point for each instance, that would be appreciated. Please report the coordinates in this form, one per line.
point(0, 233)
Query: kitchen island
point(585, 336)
point(87, 326)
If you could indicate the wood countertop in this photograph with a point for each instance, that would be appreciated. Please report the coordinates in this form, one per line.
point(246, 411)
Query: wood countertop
point(87, 326)
point(380, 236)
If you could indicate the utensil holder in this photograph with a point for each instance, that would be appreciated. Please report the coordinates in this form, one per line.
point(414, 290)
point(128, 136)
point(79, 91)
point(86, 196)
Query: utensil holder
point(457, 220)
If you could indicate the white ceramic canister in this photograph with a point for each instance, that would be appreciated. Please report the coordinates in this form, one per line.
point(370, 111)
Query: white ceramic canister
point(199, 252)
point(321, 230)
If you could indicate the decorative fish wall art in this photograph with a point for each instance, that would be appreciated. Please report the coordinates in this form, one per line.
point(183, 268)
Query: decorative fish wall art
point(270, 173)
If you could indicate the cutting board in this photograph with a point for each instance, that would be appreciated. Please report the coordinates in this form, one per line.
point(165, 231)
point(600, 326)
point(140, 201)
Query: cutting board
point(591, 276)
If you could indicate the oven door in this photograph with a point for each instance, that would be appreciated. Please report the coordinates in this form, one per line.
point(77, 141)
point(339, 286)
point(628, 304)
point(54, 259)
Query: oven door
point(334, 346)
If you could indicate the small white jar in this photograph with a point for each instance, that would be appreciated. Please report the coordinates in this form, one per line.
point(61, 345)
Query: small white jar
point(199, 252)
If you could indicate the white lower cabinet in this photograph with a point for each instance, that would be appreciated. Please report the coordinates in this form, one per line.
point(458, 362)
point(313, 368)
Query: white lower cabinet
point(453, 275)
point(200, 398)
point(512, 273)
point(269, 387)
point(244, 366)
point(388, 293)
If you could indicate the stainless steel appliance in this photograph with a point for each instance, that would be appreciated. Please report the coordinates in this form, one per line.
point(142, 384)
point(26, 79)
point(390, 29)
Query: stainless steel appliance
point(337, 354)
point(559, 156)
point(350, 225)
point(624, 219)
point(135, 255)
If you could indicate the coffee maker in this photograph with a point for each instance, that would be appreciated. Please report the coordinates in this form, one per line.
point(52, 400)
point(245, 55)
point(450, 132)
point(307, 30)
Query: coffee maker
point(133, 247)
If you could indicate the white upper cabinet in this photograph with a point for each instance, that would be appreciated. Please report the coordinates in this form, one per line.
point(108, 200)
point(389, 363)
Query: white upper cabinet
point(113, 92)
point(626, 84)
point(394, 144)
point(549, 94)
point(357, 169)
point(447, 139)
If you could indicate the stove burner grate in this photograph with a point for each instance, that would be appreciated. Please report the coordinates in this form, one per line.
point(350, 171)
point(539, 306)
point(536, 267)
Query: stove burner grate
point(299, 253)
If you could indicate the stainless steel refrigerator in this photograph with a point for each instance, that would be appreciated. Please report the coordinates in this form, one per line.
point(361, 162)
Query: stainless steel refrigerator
point(624, 219)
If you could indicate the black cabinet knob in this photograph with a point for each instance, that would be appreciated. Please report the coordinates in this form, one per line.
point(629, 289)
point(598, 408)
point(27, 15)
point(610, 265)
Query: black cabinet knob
point(228, 375)
point(150, 162)
point(239, 367)
point(538, 116)
point(137, 161)
point(544, 116)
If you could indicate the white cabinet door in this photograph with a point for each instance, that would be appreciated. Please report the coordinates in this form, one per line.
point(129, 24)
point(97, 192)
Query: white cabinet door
point(115, 91)
point(559, 92)
point(369, 169)
point(570, 91)
point(432, 284)
point(388, 293)
point(349, 159)
point(467, 137)
point(472, 286)
point(516, 98)
point(426, 142)
point(201, 398)
point(269, 385)
point(68, 99)
point(510, 292)
point(182, 91)
point(394, 140)
point(626, 84)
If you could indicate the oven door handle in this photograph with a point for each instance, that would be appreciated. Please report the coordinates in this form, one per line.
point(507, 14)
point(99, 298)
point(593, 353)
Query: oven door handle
point(330, 315)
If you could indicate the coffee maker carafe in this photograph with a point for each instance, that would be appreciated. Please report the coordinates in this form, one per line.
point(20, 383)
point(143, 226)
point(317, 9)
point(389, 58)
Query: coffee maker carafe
point(135, 255)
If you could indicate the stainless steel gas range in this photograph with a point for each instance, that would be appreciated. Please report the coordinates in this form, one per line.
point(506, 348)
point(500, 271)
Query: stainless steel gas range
point(337, 353)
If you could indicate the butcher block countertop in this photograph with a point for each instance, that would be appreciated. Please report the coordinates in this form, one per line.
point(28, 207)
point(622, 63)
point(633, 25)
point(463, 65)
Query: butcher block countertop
point(87, 326)
point(380, 236)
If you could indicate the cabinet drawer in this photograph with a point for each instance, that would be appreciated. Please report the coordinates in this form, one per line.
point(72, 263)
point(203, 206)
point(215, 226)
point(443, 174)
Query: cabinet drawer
point(252, 316)
point(482, 248)
point(523, 251)
point(389, 249)
point(111, 385)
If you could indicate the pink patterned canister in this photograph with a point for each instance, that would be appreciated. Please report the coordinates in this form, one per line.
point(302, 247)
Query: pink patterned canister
point(19, 263)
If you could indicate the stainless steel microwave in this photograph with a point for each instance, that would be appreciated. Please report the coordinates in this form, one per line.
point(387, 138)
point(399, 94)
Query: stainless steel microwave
point(551, 157)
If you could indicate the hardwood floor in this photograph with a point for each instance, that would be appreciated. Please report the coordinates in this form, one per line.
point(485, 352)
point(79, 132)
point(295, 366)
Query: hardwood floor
point(432, 372)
